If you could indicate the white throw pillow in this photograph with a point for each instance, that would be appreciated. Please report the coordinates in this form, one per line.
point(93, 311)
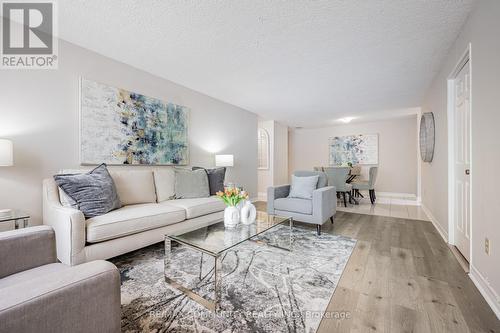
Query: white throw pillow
point(303, 187)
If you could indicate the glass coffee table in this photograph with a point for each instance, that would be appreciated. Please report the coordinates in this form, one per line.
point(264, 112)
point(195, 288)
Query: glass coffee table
point(201, 277)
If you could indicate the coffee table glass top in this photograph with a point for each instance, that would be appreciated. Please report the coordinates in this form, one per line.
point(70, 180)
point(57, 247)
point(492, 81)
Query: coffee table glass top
point(215, 238)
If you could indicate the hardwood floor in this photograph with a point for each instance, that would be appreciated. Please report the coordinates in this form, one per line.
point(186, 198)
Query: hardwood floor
point(402, 277)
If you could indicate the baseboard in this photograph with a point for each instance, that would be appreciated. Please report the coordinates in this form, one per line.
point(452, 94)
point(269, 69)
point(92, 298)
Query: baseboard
point(485, 289)
point(396, 195)
point(398, 198)
point(434, 221)
point(252, 200)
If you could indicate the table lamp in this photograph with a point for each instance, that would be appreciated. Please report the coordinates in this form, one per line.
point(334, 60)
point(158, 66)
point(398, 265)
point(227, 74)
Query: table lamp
point(6, 159)
point(225, 161)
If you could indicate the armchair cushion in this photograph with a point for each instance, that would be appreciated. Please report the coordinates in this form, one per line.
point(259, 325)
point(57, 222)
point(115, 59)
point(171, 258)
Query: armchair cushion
point(322, 179)
point(26, 248)
point(302, 187)
point(303, 206)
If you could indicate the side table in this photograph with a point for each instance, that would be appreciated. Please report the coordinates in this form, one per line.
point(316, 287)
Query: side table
point(20, 218)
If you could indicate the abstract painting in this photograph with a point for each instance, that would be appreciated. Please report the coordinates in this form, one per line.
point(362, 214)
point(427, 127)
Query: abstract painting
point(123, 127)
point(355, 149)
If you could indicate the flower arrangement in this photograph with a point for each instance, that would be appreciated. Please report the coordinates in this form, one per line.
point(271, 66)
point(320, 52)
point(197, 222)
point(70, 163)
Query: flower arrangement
point(232, 196)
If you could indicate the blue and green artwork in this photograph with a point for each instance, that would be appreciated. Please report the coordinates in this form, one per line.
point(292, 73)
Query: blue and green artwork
point(122, 127)
point(354, 149)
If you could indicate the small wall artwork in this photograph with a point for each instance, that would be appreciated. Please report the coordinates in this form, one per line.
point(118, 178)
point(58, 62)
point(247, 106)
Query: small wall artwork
point(355, 149)
point(123, 127)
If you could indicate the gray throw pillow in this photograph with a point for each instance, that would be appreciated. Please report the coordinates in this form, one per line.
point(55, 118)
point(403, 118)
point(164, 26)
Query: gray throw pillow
point(94, 193)
point(191, 184)
point(303, 187)
point(215, 179)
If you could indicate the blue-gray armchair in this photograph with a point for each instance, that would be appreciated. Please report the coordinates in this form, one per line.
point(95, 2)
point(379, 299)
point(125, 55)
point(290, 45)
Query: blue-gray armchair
point(317, 210)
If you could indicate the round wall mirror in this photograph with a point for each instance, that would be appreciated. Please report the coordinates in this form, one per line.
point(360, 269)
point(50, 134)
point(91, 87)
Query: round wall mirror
point(426, 137)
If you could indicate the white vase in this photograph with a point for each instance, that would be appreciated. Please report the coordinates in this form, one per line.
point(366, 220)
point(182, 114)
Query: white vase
point(231, 217)
point(248, 213)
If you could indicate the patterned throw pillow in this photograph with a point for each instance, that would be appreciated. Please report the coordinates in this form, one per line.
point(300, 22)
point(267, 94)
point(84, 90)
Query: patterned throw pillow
point(93, 193)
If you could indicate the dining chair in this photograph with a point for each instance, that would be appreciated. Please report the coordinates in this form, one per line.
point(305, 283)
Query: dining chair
point(337, 177)
point(367, 185)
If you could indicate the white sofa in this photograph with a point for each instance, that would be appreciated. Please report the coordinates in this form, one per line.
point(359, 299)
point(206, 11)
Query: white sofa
point(147, 215)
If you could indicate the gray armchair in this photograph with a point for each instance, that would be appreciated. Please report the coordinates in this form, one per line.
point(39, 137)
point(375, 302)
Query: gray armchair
point(38, 294)
point(317, 210)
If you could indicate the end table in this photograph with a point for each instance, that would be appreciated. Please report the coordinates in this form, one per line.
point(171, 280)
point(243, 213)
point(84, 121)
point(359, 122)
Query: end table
point(20, 218)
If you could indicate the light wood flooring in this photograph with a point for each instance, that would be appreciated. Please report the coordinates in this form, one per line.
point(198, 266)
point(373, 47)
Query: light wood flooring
point(402, 277)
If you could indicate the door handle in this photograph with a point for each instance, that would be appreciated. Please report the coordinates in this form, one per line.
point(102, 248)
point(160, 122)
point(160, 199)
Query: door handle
point(467, 172)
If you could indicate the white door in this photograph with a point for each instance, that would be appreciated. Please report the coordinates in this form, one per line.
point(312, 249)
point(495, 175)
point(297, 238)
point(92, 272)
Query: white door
point(462, 161)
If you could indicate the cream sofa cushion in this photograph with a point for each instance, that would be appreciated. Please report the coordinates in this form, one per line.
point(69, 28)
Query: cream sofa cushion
point(164, 183)
point(134, 186)
point(132, 219)
point(198, 206)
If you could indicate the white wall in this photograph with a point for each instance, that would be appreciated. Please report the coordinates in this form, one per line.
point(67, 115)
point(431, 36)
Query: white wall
point(481, 30)
point(397, 150)
point(280, 174)
point(39, 112)
point(277, 174)
point(265, 176)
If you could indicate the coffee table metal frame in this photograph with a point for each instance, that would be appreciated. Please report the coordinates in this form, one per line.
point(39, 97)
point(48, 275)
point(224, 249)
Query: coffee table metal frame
point(214, 305)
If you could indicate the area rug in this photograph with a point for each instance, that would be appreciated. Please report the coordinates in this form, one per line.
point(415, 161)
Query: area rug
point(264, 289)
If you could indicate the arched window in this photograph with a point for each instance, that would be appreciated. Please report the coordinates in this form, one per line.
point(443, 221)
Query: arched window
point(263, 149)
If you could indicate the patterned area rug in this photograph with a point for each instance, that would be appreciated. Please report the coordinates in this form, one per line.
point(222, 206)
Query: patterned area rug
point(264, 289)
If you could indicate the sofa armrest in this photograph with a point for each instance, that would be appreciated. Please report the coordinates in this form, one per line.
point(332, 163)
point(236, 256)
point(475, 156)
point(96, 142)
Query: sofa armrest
point(24, 249)
point(276, 192)
point(68, 224)
point(324, 203)
point(83, 298)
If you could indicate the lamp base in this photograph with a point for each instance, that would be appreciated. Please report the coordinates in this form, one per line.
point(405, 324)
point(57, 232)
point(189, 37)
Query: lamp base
point(5, 212)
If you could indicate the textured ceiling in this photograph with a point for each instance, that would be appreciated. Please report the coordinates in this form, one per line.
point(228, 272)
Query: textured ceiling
point(305, 63)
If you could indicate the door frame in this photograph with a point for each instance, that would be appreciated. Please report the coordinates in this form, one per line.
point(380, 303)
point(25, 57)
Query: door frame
point(465, 59)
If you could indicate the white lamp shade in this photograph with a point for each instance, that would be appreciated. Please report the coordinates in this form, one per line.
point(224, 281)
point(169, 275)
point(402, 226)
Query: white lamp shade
point(6, 153)
point(224, 160)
